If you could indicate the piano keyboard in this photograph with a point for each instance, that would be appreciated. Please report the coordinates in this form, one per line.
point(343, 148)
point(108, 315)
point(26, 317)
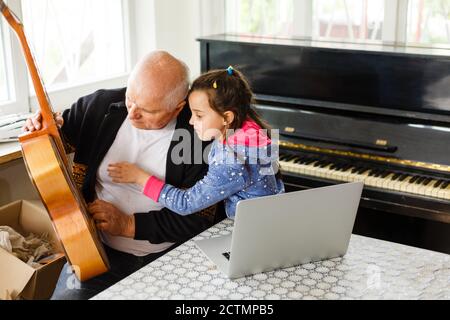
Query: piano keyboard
point(378, 178)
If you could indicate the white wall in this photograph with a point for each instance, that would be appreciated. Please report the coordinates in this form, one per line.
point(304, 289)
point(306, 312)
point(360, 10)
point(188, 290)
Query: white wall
point(176, 26)
point(15, 183)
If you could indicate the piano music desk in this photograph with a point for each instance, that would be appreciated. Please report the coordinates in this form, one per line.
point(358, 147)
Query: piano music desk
point(371, 269)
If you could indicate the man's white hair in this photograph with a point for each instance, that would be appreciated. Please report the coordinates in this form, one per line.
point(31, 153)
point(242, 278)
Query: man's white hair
point(180, 91)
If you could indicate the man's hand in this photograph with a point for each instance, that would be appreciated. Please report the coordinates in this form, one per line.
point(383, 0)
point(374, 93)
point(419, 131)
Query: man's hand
point(111, 220)
point(124, 172)
point(35, 122)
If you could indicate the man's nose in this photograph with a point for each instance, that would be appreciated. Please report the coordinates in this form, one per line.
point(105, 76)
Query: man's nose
point(191, 121)
point(133, 111)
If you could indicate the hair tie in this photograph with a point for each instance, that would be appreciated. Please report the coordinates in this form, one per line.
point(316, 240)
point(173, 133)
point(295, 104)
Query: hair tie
point(230, 70)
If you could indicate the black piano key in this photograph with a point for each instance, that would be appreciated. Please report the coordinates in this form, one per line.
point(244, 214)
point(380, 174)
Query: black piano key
point(301, 159)
point(403, 177)
point(420, 180)
point(382, 173)
point(325, 164)
point(445, 185)
point(363, 170)
point(413, 179)
point(438, 183)
point(372, 172)
point(289, 157)
point(378, 174)
point(345, 167)
point(385, 174)
point(396, 176)
point(427, 181)
point(310, 161)
point(317, 163)
point(356, 169)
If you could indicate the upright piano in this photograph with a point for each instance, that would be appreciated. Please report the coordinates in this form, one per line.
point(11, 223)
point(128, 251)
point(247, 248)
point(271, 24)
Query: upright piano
point(347, 112)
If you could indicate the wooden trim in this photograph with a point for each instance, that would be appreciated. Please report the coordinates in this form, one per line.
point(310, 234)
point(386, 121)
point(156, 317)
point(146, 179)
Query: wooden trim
point(9, 152)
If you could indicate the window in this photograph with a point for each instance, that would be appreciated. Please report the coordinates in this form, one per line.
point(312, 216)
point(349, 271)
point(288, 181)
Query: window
point(350, 20)
point(4, 94)
point(429, 22)
point(423, 22)
point(78, 46)
point(7, 88)
point(265, 18)
point(75, 41)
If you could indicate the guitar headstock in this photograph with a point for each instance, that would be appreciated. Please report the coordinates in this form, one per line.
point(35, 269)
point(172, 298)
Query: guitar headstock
point(12, 19)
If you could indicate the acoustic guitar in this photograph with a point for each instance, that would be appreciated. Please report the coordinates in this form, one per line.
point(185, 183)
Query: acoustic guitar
point(47, 164)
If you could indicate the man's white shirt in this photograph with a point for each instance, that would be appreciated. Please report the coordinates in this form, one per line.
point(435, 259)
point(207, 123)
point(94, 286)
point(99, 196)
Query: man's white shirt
point(148, 149)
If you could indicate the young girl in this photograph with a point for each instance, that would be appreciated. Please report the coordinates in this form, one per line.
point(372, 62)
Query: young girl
point(241, 165)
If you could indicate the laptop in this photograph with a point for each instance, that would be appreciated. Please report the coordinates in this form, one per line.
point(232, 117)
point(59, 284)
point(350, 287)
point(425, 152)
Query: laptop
point(286, 230)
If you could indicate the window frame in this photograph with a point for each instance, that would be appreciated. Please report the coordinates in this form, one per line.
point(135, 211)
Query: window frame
point(394, 23)
point(15, 68)
point(24, 102)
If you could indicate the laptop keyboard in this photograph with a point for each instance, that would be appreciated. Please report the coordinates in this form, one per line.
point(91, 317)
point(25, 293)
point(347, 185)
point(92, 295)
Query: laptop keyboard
point(226, 255)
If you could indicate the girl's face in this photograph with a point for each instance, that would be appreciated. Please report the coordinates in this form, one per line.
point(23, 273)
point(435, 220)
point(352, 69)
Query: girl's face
point(208, 124)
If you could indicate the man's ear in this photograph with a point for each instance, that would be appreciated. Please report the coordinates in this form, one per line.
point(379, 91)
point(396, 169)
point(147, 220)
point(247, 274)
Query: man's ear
point(228, 117)
point(181, 105)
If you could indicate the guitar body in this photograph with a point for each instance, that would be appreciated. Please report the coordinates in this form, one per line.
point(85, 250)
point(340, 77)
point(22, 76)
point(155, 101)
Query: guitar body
point(68, 212)
point(47, 164)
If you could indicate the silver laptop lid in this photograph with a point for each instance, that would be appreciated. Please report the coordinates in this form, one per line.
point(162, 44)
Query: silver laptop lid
point(293, 228)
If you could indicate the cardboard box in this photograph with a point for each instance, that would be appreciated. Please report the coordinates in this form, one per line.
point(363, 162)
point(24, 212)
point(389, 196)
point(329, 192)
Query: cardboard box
point(17, 279)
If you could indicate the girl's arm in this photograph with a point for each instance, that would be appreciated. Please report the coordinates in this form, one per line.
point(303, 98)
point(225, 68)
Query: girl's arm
point(221, 181)
point(125, 172)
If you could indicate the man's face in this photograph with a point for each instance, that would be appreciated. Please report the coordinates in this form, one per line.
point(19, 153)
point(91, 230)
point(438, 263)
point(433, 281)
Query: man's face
point(149, 113)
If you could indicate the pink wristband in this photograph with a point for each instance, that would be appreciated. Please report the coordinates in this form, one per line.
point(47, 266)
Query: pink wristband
point(153, 188)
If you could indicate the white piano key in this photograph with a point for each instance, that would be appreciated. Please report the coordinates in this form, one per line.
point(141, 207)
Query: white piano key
point(385, 183)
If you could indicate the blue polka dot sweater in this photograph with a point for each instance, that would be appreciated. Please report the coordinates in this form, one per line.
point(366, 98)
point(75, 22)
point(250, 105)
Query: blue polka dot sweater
point(243, 167)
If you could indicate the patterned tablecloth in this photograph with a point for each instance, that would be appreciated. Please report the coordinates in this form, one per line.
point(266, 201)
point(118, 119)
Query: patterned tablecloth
point(371, 269)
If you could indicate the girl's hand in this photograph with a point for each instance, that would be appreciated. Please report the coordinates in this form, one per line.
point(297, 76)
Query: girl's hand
point(124, 172)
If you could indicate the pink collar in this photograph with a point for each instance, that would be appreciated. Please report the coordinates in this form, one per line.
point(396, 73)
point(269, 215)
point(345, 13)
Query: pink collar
point(250, 135)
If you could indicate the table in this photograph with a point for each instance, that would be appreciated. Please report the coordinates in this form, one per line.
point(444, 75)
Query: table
point(371, 269)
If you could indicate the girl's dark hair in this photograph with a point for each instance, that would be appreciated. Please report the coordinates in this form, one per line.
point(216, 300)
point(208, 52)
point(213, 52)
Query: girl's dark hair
point(229, 92)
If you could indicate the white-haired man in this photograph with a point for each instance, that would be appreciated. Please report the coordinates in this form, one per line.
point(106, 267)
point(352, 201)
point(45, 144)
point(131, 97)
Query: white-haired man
point(135, 124)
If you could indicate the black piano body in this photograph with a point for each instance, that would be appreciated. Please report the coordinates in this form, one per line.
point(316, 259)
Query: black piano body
point(378, 114)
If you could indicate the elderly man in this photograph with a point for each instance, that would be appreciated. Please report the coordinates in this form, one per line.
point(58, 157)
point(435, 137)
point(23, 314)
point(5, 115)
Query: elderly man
point(134, 124)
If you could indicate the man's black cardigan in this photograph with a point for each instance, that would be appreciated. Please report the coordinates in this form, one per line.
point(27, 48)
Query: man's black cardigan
point(90, 127)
